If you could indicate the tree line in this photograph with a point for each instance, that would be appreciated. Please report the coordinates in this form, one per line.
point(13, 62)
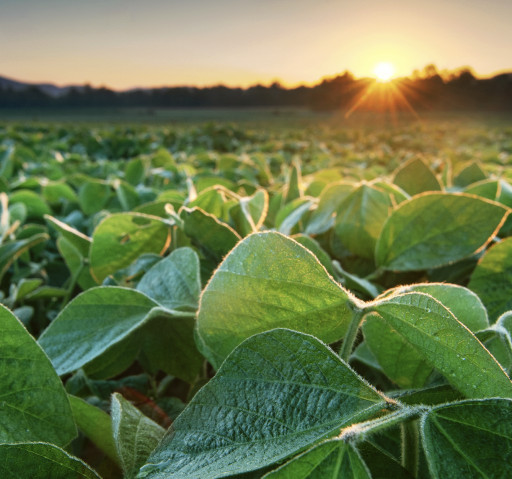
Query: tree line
point(426, 90)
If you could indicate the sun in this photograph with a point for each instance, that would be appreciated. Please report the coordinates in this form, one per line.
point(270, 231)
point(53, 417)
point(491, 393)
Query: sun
point(384, 71)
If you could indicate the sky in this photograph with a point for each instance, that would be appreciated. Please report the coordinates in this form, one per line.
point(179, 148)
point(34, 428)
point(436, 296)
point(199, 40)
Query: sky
point(128, 43)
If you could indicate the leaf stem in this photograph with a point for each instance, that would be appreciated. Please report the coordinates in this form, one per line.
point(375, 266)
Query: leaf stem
point(351, 335)
point(359, 430)
point(410, 446)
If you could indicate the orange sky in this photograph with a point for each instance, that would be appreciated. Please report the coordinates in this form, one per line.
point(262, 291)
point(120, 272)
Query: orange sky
point(126, 43)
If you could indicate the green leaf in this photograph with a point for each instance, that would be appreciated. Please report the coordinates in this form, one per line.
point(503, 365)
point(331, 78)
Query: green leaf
point(41, 461)
point(77, 264)
point(317, 250)
point(435, 229)
point(401, 362)
point(81, 242)
point(174, 282)
point(277, 393)
point(250, 212)
point(213, 236)
point(211, 201)
point(469, 174)
point(168, 345)
point(126, 194)
point(11, 251)
point(92, 323)
point(134, 171)
point(93, 196)
point(33, 403)
point(269, 281)
point(96, 425)
point(427, 326)
point(135, 435)
point(35, 204)
point(486, 189)
point(465, 305)
point(290, 214)
point(415, 177)
point(57, 192)
point(121, 238)
point(360, 219)
point(333, 459)
point(469, 439)
point(322, 218)
point(492, 279)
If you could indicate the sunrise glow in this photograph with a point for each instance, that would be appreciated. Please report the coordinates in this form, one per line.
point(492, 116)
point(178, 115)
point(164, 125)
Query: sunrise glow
point(384, 71)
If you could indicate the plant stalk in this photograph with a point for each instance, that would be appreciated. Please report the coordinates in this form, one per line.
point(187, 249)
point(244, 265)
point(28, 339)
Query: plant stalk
point(350, 337)
point(410, 446)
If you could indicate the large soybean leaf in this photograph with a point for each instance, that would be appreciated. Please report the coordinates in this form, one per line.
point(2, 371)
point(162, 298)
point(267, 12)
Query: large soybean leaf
point(334, 459)
point(92, 323)
point(269, 281)
point(416, 177)
point(465, 305)
point(492, 279)
point(360, 219)
point(277, 393)
point(121, 238)
point(41, 461)
point(469, 439)
point(134, 433)
point(33, 403)
point(174, 281)
point(426, 325)
point(435, 229)
point(94, 424)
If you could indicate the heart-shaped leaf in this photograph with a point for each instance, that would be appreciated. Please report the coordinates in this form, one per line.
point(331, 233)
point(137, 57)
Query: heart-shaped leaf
point(269, 281)
point(449, 346)
point(435, 229)
point(277, 393)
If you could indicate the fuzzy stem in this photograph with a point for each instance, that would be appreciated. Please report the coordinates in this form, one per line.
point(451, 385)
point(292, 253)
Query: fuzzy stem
point(351, 335)
point(410, 447)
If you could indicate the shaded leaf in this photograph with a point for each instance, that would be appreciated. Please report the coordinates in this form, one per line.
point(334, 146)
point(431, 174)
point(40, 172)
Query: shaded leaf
point(470, 439)
point(333, 459)
point(134, 433)
point(33, 403)
point(415, 177)
point(277, 393)
point(492, 279)
point(41, 461)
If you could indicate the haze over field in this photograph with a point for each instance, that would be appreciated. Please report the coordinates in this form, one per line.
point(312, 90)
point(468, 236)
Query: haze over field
point(126, 43)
